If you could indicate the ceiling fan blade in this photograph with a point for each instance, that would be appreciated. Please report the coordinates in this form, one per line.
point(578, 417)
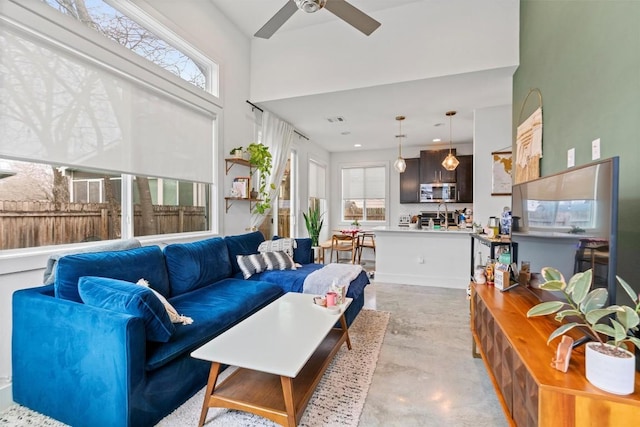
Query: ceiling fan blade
point(352, 16)
point(277, 20)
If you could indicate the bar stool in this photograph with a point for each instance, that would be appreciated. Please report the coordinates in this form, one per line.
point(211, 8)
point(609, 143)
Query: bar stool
point(366, 240)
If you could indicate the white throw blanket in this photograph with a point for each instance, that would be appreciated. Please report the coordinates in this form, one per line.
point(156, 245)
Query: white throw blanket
point(319, 282)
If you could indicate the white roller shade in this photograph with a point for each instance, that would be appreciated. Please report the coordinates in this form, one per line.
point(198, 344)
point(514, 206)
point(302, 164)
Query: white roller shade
point(374, 179)
point(353, 183)
point(363, 183)
point(317, 180)
point(64, 107)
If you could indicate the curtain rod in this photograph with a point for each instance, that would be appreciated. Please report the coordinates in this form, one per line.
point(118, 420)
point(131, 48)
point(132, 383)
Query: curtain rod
point(295, 131)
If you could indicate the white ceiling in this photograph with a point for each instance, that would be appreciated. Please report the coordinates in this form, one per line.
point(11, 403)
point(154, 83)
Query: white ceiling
point(369, 113)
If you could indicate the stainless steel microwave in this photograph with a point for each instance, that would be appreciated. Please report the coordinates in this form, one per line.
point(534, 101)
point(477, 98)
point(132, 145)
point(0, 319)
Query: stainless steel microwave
point(440, 192)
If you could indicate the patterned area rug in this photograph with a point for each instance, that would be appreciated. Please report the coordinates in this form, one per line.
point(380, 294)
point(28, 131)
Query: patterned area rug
point(337, 401)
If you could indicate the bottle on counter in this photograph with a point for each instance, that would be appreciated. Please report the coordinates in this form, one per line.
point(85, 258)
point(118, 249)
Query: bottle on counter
point(489, 271)
point(431, 224)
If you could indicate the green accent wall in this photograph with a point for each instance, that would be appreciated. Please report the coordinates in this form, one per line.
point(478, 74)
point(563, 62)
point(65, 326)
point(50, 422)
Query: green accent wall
point(584, 56)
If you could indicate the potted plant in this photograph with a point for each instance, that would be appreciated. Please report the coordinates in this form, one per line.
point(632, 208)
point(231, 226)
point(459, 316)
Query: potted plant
point(236, 152)
point(260, 158)
point(313, 221)
point(608, 364)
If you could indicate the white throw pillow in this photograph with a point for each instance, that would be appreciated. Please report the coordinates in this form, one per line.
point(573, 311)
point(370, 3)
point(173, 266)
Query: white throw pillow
point(173, 314)
point(280, 245)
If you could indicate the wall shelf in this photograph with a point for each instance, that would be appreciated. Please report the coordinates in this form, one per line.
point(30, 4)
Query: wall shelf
point(228, 201)
point(236, 161)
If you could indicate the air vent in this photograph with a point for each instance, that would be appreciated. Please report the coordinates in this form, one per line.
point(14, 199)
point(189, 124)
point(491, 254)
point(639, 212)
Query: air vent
point(336, 119)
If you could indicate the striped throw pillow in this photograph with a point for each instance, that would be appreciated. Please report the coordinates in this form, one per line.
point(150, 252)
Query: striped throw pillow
point(257, 263)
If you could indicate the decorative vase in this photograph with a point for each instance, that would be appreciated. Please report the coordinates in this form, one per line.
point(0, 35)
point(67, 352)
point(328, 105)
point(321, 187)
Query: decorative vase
point(253, 193)
point(610, 373)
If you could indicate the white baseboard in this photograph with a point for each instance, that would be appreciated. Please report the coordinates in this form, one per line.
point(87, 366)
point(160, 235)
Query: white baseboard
point(6, 396)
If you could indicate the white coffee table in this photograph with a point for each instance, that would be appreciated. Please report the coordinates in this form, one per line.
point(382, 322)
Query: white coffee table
point(281, 351)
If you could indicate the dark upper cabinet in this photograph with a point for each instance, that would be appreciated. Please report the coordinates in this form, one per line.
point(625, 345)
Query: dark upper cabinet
point(410, 182)
point(431, 169)
point(464, 184)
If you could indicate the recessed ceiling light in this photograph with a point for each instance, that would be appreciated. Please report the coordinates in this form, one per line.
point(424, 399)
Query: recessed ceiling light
point(357, 145)
point(436, 140)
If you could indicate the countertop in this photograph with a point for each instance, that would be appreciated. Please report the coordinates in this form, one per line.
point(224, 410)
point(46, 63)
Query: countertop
point(396, 229)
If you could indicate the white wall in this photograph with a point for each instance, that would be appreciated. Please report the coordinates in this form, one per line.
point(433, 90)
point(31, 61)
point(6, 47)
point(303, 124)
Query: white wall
point(283, 67)
point(492, 132)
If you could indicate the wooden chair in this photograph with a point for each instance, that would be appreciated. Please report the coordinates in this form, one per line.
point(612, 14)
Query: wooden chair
point(344, 243)
point(366, 240)
point(323, 247)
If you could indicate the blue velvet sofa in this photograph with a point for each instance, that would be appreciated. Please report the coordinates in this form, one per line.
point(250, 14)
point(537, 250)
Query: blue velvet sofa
point(93, 348)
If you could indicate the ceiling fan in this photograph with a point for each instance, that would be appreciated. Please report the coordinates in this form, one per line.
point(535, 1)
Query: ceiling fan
point(343, 10)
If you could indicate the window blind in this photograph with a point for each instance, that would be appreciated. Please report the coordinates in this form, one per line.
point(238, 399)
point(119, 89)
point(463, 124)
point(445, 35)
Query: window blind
point(63, 106)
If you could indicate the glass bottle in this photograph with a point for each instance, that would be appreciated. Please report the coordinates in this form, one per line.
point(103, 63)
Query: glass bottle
point(489, 271)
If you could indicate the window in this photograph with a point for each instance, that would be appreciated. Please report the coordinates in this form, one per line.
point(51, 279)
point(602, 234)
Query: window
point(364, 193)
point(124, 30)
point(44, 205)
point(85, 117)
point(166, 206)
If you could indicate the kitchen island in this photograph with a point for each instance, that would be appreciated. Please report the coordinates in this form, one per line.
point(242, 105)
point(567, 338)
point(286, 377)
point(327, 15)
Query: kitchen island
point(423, 257)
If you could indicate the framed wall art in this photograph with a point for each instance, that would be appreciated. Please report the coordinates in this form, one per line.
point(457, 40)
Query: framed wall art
point(501, 167)
point(241, 187)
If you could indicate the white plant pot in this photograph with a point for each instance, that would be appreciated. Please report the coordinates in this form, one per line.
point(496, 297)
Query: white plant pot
point(613, 374)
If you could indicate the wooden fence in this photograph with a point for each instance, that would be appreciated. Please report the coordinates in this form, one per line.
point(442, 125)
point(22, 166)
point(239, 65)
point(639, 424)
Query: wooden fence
point(30, 224)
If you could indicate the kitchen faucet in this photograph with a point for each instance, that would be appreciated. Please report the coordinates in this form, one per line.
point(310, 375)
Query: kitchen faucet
point(446, 215)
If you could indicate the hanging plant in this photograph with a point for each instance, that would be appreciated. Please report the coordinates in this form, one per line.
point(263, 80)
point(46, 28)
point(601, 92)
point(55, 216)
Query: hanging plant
point(260, 159)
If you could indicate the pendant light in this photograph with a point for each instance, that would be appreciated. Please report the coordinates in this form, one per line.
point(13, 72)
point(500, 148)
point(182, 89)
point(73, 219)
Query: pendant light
point(450, 162)
point(400, 165)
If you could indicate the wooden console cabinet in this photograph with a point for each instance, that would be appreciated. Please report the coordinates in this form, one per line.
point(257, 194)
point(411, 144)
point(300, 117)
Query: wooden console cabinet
point(531, 392)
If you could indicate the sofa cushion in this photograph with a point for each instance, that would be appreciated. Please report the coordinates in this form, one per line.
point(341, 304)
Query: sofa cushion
point(128, 298)
point(302, 251)
point(193, 265)
point(243, 244)
point(214, 309)
point(130, 265)
point(257, 263)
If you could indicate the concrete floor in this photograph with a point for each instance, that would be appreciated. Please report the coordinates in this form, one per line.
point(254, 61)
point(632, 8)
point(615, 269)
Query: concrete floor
point(426, 375)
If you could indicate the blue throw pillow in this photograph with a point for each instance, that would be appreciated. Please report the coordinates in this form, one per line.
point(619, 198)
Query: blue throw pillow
point(243, 244)
point(303, 252)
point(128, 298)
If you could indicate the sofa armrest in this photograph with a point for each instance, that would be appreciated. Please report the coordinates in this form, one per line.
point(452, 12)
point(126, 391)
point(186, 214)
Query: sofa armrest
point(76, 363)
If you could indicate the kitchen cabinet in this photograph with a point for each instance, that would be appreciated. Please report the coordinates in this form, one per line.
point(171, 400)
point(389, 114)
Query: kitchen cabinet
point(431, 170)
point(464, 178)
point(410, 182)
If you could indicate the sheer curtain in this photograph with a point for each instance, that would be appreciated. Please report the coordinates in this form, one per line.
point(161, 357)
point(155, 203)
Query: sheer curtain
point(277, 136)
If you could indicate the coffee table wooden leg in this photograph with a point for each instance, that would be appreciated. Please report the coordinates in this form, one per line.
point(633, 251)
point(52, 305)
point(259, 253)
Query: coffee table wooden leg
point(211, 384)
point(287, 390)
point(343, 323)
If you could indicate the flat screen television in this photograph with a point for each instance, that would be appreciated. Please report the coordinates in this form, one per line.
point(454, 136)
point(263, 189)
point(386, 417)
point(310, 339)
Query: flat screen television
point(569, 221)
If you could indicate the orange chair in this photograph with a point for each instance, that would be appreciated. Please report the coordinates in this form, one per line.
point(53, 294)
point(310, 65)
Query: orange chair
point(344, 243)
